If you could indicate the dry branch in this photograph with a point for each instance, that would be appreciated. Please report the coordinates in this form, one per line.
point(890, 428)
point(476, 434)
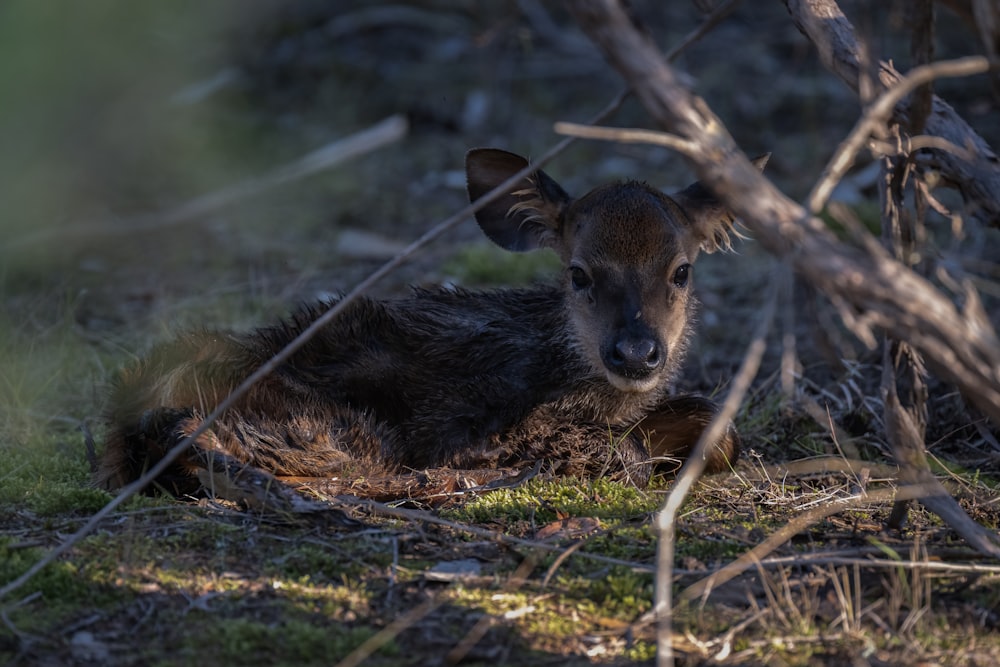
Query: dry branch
point(879, 113)
point(872, 289)
point(665, 521)
point(978, 180)
point(920, 15)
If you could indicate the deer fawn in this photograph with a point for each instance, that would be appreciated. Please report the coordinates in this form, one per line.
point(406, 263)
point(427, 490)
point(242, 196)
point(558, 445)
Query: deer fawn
point(577, 374)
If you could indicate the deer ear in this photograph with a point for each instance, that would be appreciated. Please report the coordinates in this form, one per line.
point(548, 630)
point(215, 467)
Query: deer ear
point(711, 221)
point(526, 218)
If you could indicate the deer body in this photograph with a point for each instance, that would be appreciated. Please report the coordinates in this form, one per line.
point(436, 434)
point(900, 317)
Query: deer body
point(456, 378)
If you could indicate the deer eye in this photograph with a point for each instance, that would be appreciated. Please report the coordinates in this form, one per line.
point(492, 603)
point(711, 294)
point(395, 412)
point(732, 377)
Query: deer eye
point(682, 275)
point(579, 278)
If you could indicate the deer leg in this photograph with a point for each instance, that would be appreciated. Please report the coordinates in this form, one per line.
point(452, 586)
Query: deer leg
point(314, 443)
point(135, 445)
point(675, 426)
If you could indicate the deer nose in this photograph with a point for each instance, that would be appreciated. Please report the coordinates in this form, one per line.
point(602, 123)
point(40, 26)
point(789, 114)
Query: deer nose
point(635, 357)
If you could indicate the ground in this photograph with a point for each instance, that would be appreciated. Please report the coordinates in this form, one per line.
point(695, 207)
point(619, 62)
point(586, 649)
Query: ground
point(116, 116)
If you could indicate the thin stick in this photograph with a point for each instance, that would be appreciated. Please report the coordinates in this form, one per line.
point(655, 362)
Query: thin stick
point(799, 523)
point(826, 26)
point(799, 560)
point(300, 340)
point(876, 116)
point(627, 135)
point(390, 632)
point(689, 474)
point(712, 20)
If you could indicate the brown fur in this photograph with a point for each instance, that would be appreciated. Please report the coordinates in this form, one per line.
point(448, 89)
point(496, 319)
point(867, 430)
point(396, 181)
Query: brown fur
point(577, 374)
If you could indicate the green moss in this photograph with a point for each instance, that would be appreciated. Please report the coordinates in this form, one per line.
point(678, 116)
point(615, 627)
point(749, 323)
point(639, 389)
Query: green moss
point(58, 581)
point(543, 501)
point(641, 651)
point(43, 479)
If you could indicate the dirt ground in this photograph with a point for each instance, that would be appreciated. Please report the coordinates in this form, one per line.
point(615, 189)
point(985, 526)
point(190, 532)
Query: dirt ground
point(119, 117)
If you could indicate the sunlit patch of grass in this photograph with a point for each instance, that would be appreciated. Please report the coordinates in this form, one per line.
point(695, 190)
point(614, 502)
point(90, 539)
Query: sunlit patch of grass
point(540, 501)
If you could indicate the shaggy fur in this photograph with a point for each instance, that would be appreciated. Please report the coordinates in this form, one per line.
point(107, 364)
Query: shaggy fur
point(455, 378)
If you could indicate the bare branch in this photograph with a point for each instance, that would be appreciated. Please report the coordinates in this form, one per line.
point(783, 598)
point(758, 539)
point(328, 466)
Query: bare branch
point(879, 113)
point(715, 18)
point(691, 472)
point(880, 291)
point(914, 144)
point(626, 135)
point(920, 14)
point(833, 36)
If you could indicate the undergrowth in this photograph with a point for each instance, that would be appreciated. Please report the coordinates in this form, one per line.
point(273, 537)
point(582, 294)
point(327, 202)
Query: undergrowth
point(204, 581)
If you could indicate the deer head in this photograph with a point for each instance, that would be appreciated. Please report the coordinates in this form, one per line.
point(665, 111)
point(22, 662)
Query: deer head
point(627, 250)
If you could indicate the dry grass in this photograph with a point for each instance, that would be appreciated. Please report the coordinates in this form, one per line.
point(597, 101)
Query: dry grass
point(547, 572)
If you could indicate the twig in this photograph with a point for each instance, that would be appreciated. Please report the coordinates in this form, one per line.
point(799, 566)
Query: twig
point(878, 113)
point(421, 516)
point(796, 525)
point(717, 16)
point(385, 132)
point(921, 17)
point(978, 179)
point(627, 136)
point(799, 560)
point(689, 474)
point(914, 144)
point(390, 632)
point(300, 340)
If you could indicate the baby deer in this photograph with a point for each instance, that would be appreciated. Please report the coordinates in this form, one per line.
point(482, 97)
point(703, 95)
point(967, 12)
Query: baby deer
point(577, 374)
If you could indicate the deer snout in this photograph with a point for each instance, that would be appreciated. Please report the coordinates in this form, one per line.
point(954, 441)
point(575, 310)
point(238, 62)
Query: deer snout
point(635, 358)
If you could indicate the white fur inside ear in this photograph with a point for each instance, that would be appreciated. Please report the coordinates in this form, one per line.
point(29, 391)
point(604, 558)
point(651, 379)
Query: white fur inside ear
point(722, 239)
point(531, 208)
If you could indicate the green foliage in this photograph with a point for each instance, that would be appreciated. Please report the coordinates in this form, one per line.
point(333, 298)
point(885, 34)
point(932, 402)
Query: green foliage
point(41, 478)
point(486, 264)
point(544, 500)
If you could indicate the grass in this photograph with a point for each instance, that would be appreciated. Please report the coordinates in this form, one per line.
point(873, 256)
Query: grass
point(167, 582)
point(172, 582)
